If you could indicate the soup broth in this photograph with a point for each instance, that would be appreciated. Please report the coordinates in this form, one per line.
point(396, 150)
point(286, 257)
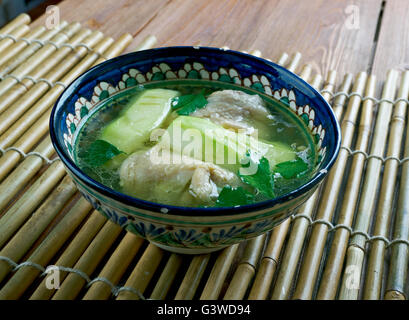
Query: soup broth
point(266, 150)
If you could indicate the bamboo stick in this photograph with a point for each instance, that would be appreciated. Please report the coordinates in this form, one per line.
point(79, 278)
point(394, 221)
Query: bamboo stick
point(31, 136)
point(17, 33)
point(37, 58)
point(329, 88)
point(123, 41)
point(30, 50)
point(333, 266)
point(351, 277)
point(146, 43)
point(398, 263)
point(317, 82)
point(73, 252)
point(143, 273)
point(194, 274)
point(24, 277)
point(355, 252)
point(256, 53)
point(17, 47)
point(294, 62)
point(23, 139)
point(27, 93)
point(22, 18)
point(340, 101)
point(120, 43)
point(219, 273)
point(394, 295)
point(115, 267)
point(269, 261)
point(23, 173)
point(37, 130)
point(29, 201)
point(114, 50)
point(48, 100)
point(374, 274)
point(25, 237)
point(54, 59)
point(313, 254)
point(31, 165)
point(246, 269)
point(167, 277)
point(283, 59)
point(292, 253)
point(73, 283)
point(43, 68)
point(305, 73)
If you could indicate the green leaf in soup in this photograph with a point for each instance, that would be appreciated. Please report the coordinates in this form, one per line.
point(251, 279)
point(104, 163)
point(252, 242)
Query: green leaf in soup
point(231, 197)
point(291, 169)
point(188, 104)
point(262, 180)
point(99, 152)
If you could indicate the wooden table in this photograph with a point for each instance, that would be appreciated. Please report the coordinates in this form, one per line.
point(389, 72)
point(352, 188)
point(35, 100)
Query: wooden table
point(349, 36)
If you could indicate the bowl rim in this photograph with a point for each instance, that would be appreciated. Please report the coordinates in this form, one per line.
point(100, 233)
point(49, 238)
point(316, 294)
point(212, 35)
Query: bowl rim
point(191, 211)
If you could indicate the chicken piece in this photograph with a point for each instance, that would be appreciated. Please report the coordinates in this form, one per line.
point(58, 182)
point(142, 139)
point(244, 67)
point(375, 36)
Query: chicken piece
point(234, 110)
point(179, 181)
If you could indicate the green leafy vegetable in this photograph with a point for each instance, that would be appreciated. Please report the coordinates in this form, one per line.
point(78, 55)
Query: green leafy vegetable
point(262, 180)
point(231, 197)
point(188, 104)
point(291, 169)
point(99, 152)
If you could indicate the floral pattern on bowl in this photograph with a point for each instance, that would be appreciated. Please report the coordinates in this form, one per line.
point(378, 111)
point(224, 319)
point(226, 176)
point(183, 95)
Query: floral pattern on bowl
point(133, 77)
point(182, 229)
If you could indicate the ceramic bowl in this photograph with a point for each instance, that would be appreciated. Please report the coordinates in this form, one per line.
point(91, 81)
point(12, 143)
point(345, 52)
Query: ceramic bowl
point(183, 229)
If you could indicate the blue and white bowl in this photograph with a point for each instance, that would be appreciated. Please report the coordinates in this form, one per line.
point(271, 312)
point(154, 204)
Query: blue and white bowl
point(183, 229)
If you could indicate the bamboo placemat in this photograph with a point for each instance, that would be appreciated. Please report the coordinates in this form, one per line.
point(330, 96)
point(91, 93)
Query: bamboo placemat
point(348, 241)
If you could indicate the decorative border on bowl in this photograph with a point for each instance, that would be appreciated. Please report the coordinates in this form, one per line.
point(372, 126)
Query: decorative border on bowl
point(193, 236)
point(194, 70)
